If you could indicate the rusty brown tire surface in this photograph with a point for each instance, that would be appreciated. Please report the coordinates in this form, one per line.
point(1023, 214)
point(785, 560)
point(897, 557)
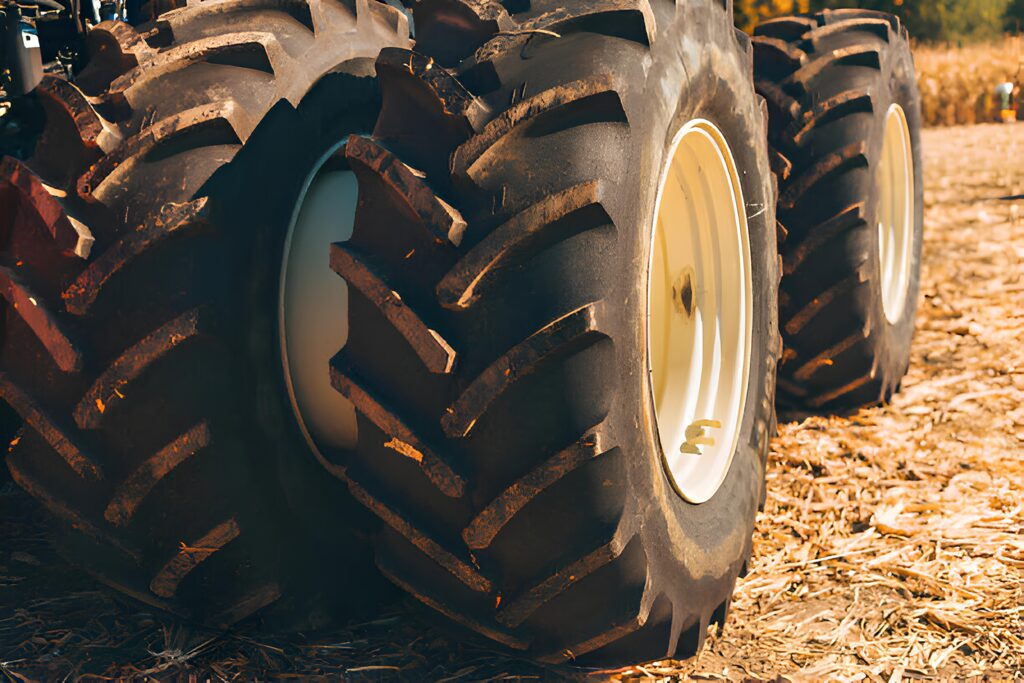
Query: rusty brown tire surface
point(497, 352)
point(831, 79)
point(138, 342)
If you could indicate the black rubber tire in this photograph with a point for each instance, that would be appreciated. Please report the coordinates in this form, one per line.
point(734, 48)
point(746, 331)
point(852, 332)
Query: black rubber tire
point(829, 79)
point(496, 355)
point(145, 364)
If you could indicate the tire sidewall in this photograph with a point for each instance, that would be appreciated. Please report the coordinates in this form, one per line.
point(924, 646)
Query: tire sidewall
point(896, 84)
point(700, 70)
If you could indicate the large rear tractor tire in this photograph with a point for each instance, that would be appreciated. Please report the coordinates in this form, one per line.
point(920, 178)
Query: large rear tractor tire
point(139, 339)
point(563, 332)
point(845, 135)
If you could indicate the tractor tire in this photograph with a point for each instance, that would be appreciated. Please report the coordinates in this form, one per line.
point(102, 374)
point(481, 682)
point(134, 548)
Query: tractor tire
point(497, 354)
point(835, 83)
point(139, 342)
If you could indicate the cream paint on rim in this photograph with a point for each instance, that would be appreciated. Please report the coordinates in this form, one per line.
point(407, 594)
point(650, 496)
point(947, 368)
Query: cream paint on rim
point(896, 213)
point(313, 307)
point(699, 310)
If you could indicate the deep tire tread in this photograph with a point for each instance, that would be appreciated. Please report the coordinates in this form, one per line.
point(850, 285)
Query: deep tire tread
point(440, 125)
point(530, 110)
point(46, 426)
point(579, 327)
point(489, 522)
point(115, 379)
point(42, 318)
point(461, 569)
point(59, 509)
point(835, 43)
point(437, 354)
point(401, 578)
point(515, 241)
point(134, 490)
point(404, 440)
point(519, 610)
point(172, 220)
point(190, 556)
point(122, 117)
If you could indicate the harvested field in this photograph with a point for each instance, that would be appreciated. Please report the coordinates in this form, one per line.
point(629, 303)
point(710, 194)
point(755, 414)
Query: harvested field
point(892, 546)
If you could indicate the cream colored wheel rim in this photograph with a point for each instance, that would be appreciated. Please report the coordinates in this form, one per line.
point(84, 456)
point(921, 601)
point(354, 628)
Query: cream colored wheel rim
point(699, 311)
point(895, 213)
point(313, 307)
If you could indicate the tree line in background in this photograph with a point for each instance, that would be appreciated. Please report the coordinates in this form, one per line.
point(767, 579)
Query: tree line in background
point(927, 20)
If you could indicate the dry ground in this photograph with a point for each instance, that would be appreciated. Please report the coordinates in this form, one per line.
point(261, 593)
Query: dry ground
point(892, 547)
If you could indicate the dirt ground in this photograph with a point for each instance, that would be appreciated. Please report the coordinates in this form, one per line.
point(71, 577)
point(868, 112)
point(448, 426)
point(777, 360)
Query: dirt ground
point(892, 546)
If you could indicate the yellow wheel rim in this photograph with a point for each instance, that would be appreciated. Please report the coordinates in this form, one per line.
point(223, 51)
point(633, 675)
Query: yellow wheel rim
point(895, 213)
point(699, 311)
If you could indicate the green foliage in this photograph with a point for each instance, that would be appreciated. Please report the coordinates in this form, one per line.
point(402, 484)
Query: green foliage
point(1015, 16)
point(927, 20)
point(940, 20)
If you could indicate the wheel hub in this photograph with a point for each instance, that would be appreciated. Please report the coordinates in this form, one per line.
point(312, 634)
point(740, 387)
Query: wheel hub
point(699, 311)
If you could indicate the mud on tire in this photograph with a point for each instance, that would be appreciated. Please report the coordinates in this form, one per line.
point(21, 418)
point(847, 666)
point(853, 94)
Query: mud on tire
point(137, 326)
point(498, 279)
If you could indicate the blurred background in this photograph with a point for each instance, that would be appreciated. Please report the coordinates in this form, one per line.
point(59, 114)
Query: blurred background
point(966, 51)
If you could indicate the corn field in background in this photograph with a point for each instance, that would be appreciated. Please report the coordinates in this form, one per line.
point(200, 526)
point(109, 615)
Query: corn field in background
point(958, 83)
point(964, 49)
